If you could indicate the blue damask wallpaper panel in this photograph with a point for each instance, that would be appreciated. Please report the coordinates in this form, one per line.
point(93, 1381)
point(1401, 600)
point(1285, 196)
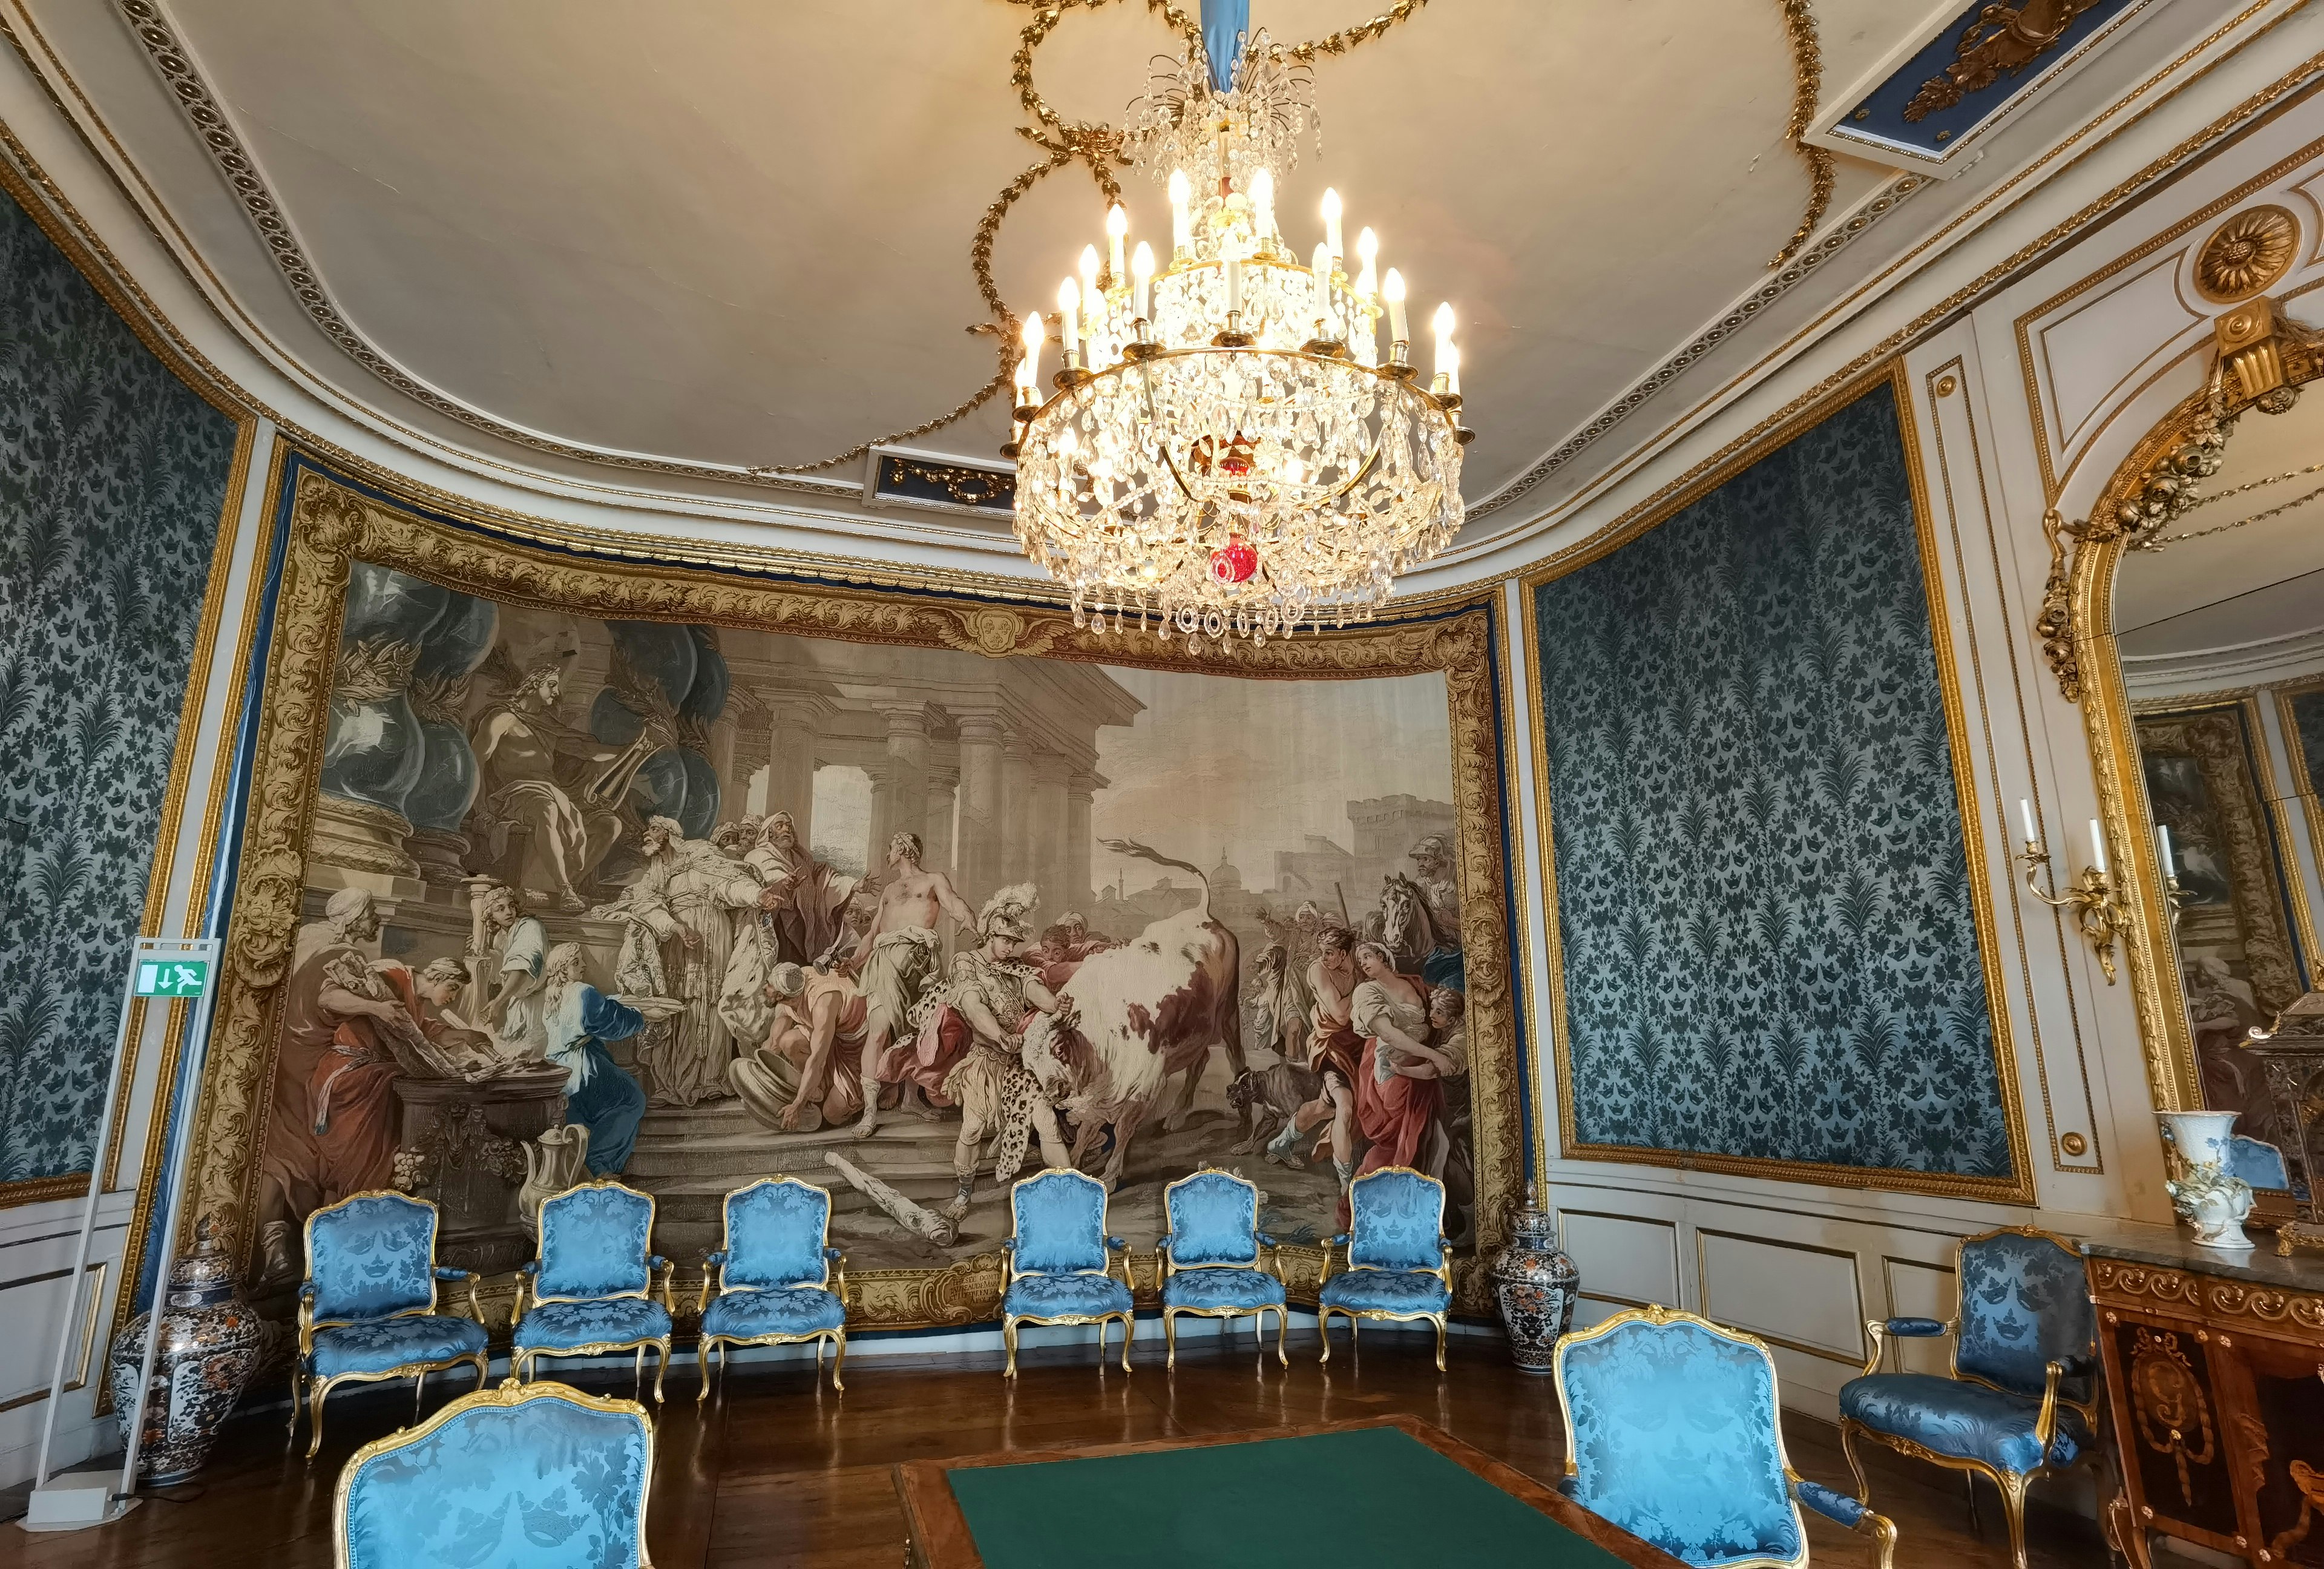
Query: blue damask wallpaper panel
point(1762, 889)
point(113, 476)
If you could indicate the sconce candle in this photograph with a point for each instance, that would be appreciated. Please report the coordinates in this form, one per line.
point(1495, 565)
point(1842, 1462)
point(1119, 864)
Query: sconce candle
point(2163, 841)
point(2025, 811)
point(2098, 847)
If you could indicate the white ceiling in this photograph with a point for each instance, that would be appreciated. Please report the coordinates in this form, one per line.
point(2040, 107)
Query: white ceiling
point(735, 235)
point(738, 233)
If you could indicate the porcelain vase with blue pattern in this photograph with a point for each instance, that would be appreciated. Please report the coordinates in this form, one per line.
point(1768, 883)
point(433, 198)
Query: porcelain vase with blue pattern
point(211, 1343)
point(1534, 1283)
point(2203, 1191)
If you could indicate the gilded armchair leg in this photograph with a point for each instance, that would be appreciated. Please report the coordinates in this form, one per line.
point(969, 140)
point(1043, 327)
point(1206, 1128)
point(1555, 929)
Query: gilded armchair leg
point(838, 1357)
point(317, 1393)
point(484, 1369)
point(2013, 1504)
point(1282, 1327)
point(1170, 1338)
point(1324, 1332)
point(638, 1374)
point(1009, 1339)
point(1439, 1345)
point(661, 1368)
point(702, 1350)
point(297, 1388)
point(1855, 1461)
point(1128, 1334)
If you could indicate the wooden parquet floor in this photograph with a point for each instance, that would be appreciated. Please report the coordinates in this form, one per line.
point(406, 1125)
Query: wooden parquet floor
point(778, 1471)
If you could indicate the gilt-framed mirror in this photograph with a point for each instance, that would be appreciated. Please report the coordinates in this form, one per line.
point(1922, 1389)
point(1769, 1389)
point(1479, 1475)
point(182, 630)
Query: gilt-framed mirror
point(2190, 611)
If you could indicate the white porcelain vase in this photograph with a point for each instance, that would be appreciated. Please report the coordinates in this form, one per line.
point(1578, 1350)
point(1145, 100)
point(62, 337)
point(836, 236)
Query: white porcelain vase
point(2210, 1201)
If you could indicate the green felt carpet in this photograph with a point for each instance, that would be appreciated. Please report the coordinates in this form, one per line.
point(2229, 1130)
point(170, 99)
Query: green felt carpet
point(1328, 1500)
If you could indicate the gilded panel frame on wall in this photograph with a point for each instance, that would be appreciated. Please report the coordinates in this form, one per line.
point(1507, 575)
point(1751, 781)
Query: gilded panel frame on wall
point(2304, 783)
point(332, 523)
point(2018, 1186)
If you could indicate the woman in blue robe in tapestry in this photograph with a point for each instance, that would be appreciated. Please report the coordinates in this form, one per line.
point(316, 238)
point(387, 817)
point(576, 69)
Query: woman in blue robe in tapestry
point(599, 1093)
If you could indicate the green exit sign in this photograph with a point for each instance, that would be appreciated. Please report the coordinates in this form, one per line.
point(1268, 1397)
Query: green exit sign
point(173, 977)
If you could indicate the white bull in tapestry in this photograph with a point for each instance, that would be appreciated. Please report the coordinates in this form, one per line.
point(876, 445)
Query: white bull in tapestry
point(1148, 1010)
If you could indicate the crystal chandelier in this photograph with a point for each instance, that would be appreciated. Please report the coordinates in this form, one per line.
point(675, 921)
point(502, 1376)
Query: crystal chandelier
point(1226, 449)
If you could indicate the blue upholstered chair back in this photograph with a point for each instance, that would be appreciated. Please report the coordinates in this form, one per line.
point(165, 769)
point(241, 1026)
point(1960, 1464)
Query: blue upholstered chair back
point(537, 1476)
point(594, 1243)
point(371, 1256)
point(776, 1229)
point(1060, 1218)
point(2024, 1304)
point(1671, 1430)
point(2257, 1162)
point(1213, 1219)
point(1397, 1217)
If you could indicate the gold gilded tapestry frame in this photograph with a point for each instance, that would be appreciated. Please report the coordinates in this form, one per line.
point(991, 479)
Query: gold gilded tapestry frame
point(333, 524)
point(2017, 1188)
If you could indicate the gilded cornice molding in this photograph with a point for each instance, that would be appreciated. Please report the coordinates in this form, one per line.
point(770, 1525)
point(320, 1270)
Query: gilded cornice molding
point(332, 525)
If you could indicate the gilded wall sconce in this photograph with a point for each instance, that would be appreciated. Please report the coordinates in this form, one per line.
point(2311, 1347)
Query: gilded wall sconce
point(2103, 917)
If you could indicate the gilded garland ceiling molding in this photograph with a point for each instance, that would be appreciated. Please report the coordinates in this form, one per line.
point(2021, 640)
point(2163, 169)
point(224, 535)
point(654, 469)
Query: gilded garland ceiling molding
point(2190, 66)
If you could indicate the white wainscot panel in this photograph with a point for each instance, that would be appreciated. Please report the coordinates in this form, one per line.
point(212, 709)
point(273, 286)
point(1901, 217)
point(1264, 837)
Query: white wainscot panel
point(1625, 1261)
point(32, 1306)
point(1791, 1293)
point(1920, 1290)
point(2102, 339)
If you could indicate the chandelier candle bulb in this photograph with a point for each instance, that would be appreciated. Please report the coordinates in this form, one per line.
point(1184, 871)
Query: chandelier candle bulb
point(1443, 323)
point(1392, 290)
point(1028, 369)
point(1234, 286)
point(1262, 207)
point(1117, 224)
point(1368, 255)
point(1448, 357)
point(1069, 301)
point(1326, 305)
point(1142, 274)
point(1332, 225)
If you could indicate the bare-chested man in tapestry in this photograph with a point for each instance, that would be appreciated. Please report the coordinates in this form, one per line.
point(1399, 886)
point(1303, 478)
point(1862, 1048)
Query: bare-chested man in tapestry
point(895, 965)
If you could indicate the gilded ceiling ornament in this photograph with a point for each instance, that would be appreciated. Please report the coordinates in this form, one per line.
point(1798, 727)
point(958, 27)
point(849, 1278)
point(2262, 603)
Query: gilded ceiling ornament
point(2246, 253)
point(1807, 82)
point(2002, 39)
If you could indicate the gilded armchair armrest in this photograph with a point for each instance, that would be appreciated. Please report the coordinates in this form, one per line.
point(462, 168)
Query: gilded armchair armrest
point(528, 1283)
point(1121, 1245)
point(655, 1263)
point(713, 1263)
point(838, 1259)
point(1007, 1261)
point(1274, 1252)
point(2045, 1424)
point(1163, 1263)
point(1876, 1329)
point(1838, 1507)
point(306, 1319)
point(476, 1306)
point(1324, 1273)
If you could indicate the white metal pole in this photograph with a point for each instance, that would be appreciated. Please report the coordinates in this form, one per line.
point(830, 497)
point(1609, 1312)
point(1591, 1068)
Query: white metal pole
point(76, 1281)
point(199, 1044)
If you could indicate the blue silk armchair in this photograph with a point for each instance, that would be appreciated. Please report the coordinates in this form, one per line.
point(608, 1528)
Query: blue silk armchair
point(2021, 1400)
point(1058, 1264)
point(591, 1290)
point(525, 1476)
point(1399, 1260)
point(1672, 1433)
point(772, 1280)
point(1210, 1263)
point(367, 1306)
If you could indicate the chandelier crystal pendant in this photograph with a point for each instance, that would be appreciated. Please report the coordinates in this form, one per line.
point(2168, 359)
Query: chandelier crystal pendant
point(1226, 449)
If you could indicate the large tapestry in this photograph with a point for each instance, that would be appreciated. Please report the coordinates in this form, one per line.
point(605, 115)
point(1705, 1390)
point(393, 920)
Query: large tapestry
point(113, 477)
point(603, 874)
point(2239, 960)
point(1769, 946)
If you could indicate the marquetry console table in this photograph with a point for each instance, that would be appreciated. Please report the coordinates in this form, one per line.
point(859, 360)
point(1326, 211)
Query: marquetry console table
point(2215, 1376)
